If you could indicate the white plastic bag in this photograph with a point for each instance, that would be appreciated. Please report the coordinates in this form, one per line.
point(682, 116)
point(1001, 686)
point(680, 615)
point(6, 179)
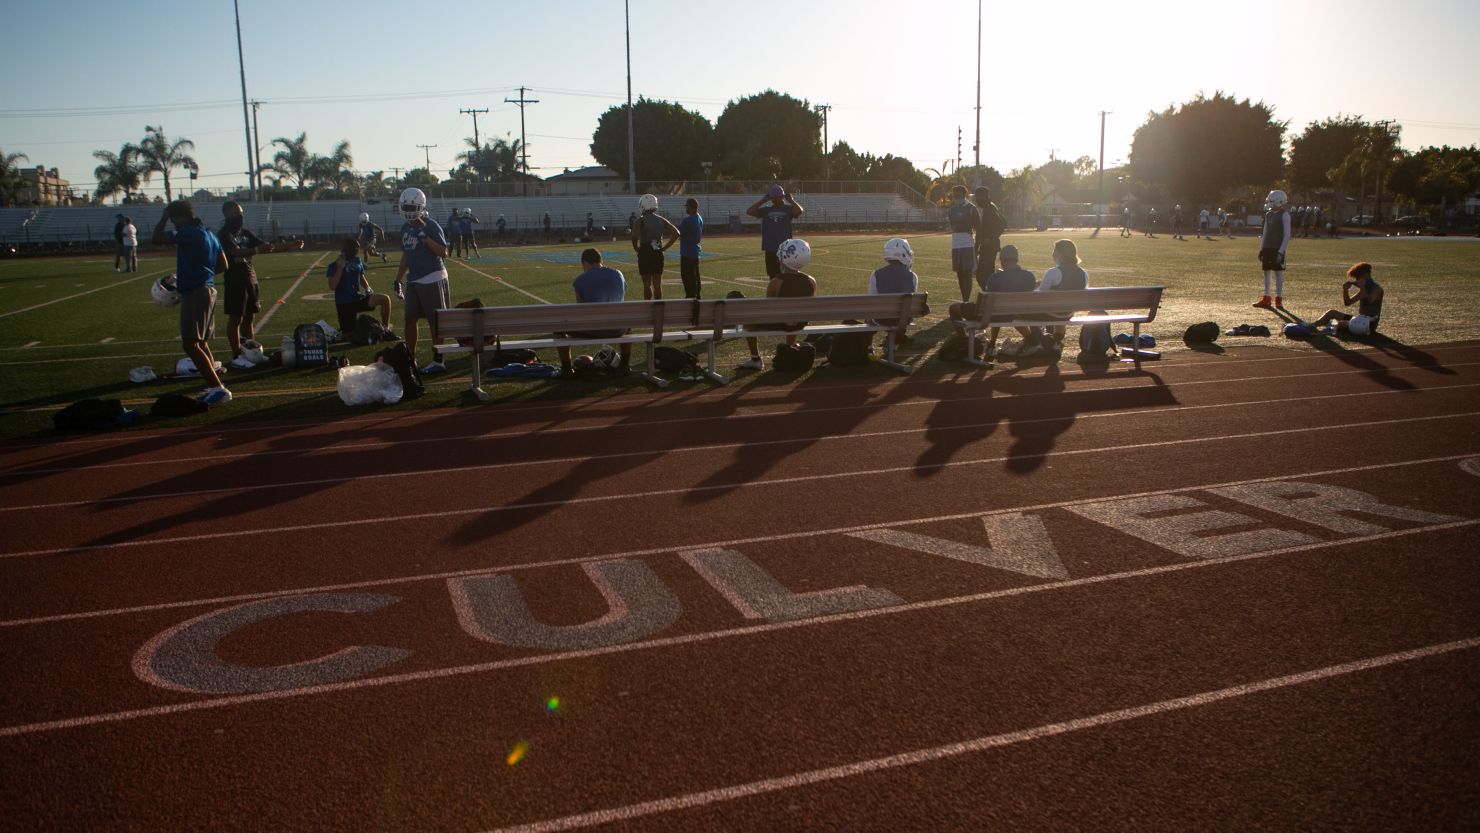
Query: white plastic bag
point(369, 384)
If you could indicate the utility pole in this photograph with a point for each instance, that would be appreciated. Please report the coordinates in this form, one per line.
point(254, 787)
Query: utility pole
point(472, 111)
point(257, 147)
point(1385, 127)
point(978, 146)
point(253, 185)
point(826, 163)
point(631, 159)
point(427, 149)
point(524, 146)
point(958, 147)
point(1100, 207)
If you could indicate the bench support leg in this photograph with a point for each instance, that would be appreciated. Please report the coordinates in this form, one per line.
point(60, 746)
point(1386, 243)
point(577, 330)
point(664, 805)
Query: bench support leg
point(888, 360)
point(971, 346)
point(1134, 353)
point(475, 388)
point(650, 374)
point(709, 371)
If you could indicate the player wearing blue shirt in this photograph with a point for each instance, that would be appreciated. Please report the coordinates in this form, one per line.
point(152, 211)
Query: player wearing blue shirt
point(465, 240)
point(352, 294)
point(597, 284)
point(198, 259)
point(775, 224)
point(423, 245)
point(690, 235)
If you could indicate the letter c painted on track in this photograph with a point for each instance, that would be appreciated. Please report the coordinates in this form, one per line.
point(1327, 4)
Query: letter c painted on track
point(183, 658)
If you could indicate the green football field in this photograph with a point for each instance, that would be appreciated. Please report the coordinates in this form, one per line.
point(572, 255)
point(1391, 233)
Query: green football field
point(73, 328)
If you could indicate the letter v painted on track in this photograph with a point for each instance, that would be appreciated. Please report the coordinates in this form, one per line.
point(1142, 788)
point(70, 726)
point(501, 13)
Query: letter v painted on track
point(1016, 542)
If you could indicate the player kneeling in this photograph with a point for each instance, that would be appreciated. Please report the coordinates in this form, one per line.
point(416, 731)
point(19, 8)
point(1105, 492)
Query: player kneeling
point(352, 293)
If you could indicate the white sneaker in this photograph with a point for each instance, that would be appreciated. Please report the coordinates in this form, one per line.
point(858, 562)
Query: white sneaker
point(753, 363)
point(215, 396)
point(433, 369)
point(242, 363)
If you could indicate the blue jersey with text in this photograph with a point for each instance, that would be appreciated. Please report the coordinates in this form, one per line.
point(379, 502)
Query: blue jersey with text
point(421, 261)
point(775, 226)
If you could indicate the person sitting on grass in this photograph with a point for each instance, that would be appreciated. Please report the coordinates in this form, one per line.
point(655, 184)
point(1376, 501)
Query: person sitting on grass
point(1065, 275)
point(597, 284)
point(352, 294)
point(1361, 290)
point(793, 256)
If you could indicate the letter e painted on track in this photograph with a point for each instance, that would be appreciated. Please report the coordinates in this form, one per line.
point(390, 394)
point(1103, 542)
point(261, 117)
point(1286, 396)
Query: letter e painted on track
point(183, 658)
point(757, 595)
point(492, 609)
point(1186, 533)
point(1324, 505)
point(1018, 543)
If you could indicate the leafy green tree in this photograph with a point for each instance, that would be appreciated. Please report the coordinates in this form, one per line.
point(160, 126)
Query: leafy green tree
point(891, 168)
point(771, 135)
point(1209, 145)
point(1437, 176)
point(845, 163)
point(669, 141)
point(418, 177)
point(333, 172)
point(1320, 148)
point(1375, 153)
point(120, 173)
point(11, 182)
point(160, 156)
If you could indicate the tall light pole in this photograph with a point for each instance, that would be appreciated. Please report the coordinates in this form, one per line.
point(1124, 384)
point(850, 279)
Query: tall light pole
point(707, 167)
point(1101, 207)
point(978, 146)
point(253, 185)
point(631, 160)
point(822, 109)
point(257, 147)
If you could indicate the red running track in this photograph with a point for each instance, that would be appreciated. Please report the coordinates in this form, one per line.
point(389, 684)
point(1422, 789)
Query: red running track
point(1222, 592)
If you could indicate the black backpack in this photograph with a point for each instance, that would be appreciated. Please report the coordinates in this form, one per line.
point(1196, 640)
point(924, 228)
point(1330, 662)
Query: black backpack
point(1204, 333)
point(1095, 340)
point(674, 360)
point(514, 355)
point(851, 349)
point(88, 415)
point(177, 405)
point(399, 359)
point(794, 358)
point(367, 331)
point(953, 349)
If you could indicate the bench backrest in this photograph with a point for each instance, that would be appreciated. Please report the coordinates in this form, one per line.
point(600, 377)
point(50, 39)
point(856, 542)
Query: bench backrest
point(1072, 300)
point(559, 318)
point(720, 314)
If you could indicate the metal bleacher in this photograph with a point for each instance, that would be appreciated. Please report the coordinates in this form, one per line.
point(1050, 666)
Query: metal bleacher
point(326, 218)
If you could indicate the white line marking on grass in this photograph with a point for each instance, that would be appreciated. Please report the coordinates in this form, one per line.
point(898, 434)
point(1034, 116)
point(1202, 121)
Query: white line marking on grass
point(106, 340)
point(739, 484)
point(734, 542)
point(79, 294)
point(30, 344)
point(267, 316)
point(1341, 547)
point(501, 282)
point(139, 498)
point(703, 798)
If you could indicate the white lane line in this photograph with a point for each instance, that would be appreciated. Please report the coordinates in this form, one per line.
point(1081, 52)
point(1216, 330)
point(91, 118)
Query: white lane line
point(739, 484)
point(106, 340)
point(1338, 548)
point(632, 399)
point(501, 282)
point(80, 294)
point(438, 472)
point(31, 344)
point(733, 542)
point(979, 744)
point(267, 316)
point(748, 413)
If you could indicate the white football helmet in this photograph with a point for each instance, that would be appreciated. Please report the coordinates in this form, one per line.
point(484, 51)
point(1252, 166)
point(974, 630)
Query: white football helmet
point(364, 217)
point(647, 202)
point(794, 254)
point(899, 249)
point(413, 204)
point(163, 291)
point(467, 212)
point(1276, 199)
point(607, 356)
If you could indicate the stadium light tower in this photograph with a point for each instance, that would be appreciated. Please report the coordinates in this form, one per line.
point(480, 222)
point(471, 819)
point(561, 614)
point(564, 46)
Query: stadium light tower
point(1101, 207)
point(978, 146)
point(631, 160)
point(254, 185)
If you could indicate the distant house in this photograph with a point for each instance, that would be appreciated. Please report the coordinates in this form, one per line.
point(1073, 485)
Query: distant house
point(597, 179)
point(42, 187)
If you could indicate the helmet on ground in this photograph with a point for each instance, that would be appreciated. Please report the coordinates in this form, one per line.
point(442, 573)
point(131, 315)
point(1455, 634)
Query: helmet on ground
point(413, 204)
point(1276, 199)
point(899, 249)
point(163, 291)
point(794, 254)
point(607, 356)
point(647, 202)
point(364, 217)
point(582, 362)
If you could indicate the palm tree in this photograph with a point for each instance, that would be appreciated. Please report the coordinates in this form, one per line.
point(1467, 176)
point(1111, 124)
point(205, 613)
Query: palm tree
point(332, 172)
point(121, 172)
point(373, 184)
point(161, 156)
point(293, 159)
point(1024, 189)
point(10, 176)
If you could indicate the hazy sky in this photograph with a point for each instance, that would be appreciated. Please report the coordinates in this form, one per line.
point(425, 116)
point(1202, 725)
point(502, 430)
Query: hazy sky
point(901, 77)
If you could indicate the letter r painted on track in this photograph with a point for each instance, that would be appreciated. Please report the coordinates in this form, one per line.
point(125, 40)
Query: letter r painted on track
point(1326, 506)
point(1187, 534)
point(184, 658)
